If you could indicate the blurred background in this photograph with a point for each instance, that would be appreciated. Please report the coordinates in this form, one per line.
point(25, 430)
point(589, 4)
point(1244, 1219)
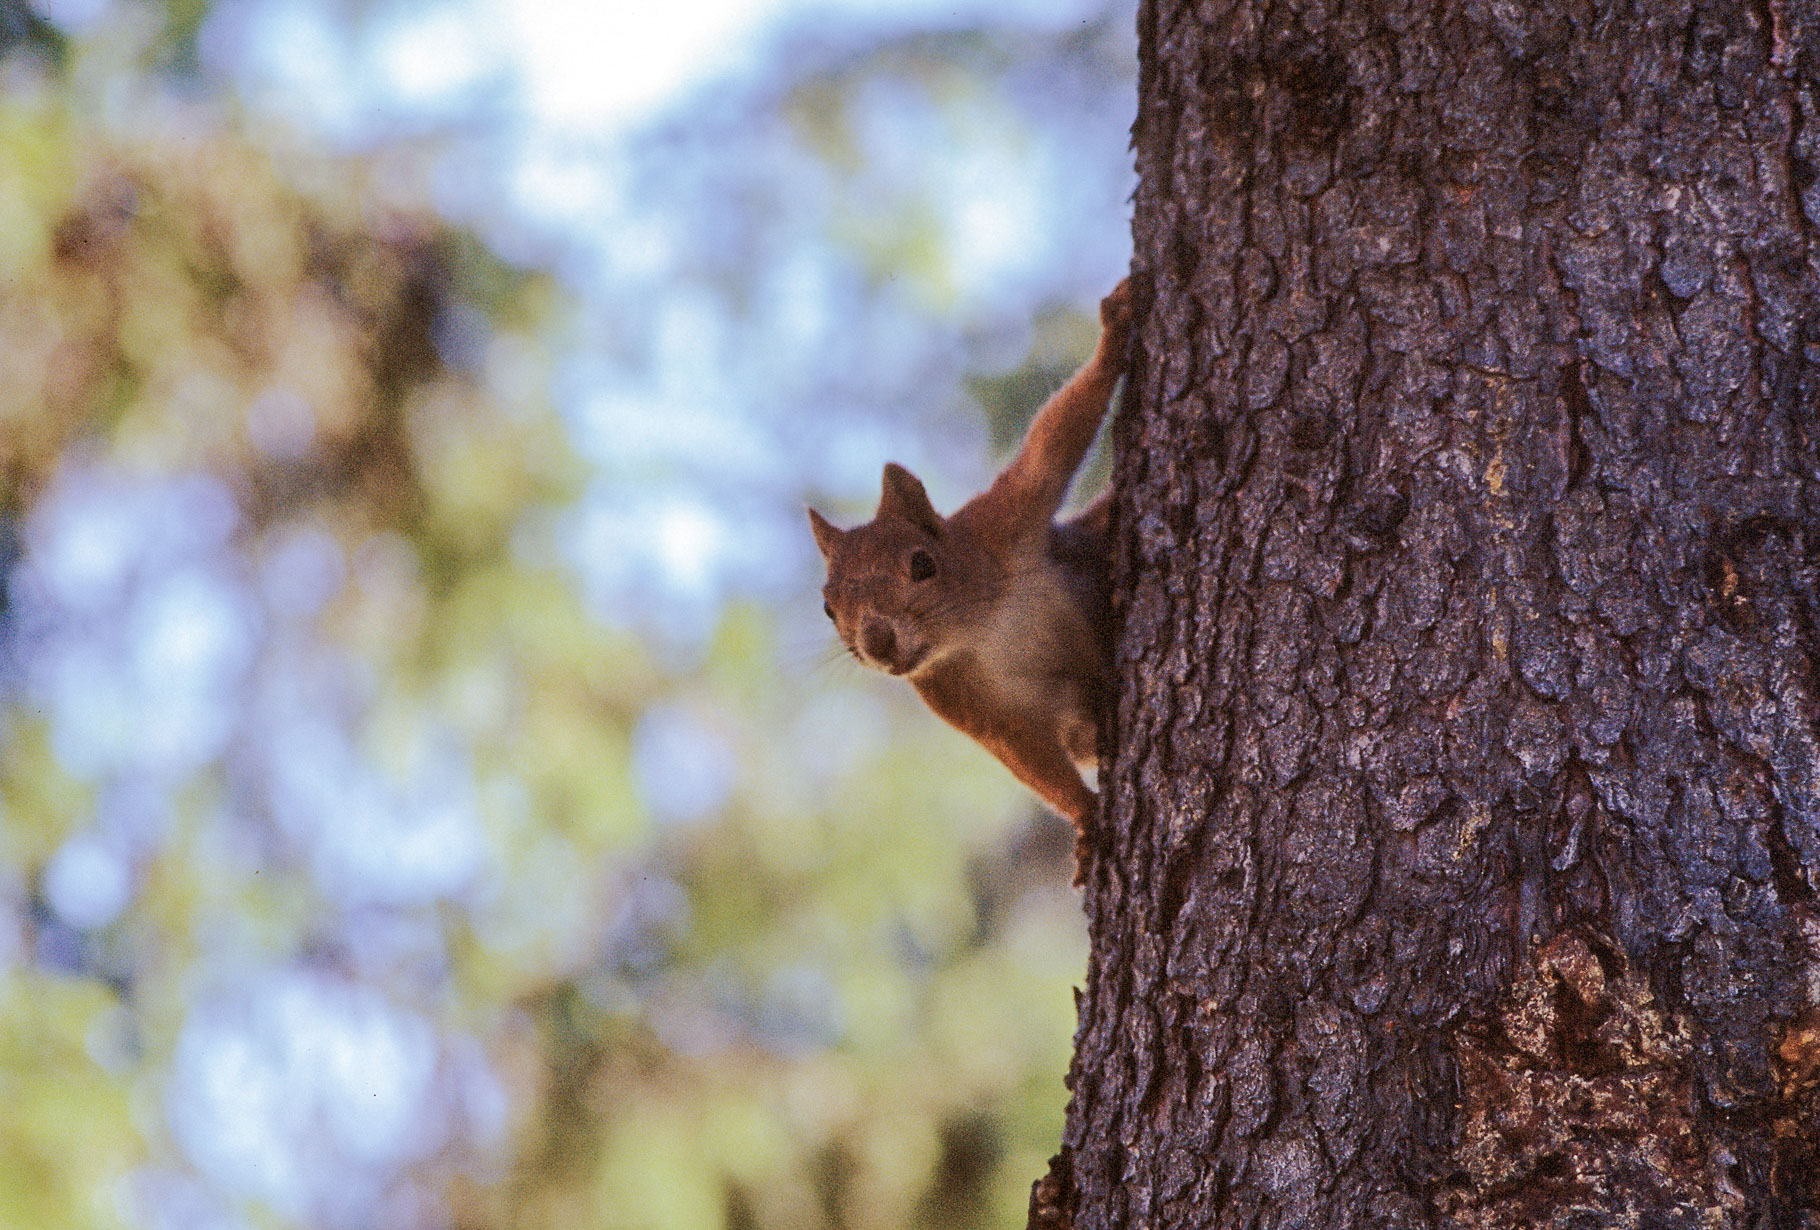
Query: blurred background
point(430, 794)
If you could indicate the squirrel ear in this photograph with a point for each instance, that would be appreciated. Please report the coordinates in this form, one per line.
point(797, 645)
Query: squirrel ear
point(826, 535)
point(904, 497)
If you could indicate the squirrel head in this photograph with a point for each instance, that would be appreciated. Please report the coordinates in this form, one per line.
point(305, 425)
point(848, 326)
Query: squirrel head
point(901, 589)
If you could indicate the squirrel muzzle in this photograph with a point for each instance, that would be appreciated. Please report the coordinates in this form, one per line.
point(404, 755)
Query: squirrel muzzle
point(888, 649)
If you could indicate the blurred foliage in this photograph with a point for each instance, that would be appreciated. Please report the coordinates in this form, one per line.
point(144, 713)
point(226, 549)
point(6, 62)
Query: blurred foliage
point(24, 30)
point(66, 1134)
point(833, 996)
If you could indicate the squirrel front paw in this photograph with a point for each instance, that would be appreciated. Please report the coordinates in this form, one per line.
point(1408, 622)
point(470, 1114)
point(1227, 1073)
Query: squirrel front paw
point(1115, 326)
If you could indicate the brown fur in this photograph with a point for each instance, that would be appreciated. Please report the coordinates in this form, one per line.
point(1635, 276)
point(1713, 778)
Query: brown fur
point(999, 615)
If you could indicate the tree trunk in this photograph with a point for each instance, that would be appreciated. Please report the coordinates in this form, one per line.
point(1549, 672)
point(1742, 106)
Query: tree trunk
point(1458, 857)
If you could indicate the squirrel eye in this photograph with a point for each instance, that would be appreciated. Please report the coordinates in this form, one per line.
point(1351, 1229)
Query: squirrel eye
point(921, 566)
point(827, 610)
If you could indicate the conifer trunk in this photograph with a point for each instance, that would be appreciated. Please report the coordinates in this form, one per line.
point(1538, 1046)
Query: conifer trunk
point(1458, 858)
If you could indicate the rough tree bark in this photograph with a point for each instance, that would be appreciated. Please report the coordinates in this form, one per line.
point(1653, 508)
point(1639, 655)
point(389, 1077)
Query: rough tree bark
point(1459, 856)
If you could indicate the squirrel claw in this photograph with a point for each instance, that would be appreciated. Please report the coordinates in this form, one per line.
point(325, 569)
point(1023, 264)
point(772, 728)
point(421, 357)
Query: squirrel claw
point(1115, 323)
point(1083, 853)
point(1115, 309)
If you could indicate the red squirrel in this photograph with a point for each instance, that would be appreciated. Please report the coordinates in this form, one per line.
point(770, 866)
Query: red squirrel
point(999, 615)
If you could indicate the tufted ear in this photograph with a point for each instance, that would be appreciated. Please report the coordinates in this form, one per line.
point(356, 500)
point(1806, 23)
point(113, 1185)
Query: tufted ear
point(905, 499)
point(827, 537)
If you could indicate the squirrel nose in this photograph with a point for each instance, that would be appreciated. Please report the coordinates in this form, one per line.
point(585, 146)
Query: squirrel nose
point(877, 639)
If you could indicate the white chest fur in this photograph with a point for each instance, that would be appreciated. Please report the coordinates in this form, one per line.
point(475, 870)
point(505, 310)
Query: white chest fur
point(1034, 651)
point(1033, 628)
